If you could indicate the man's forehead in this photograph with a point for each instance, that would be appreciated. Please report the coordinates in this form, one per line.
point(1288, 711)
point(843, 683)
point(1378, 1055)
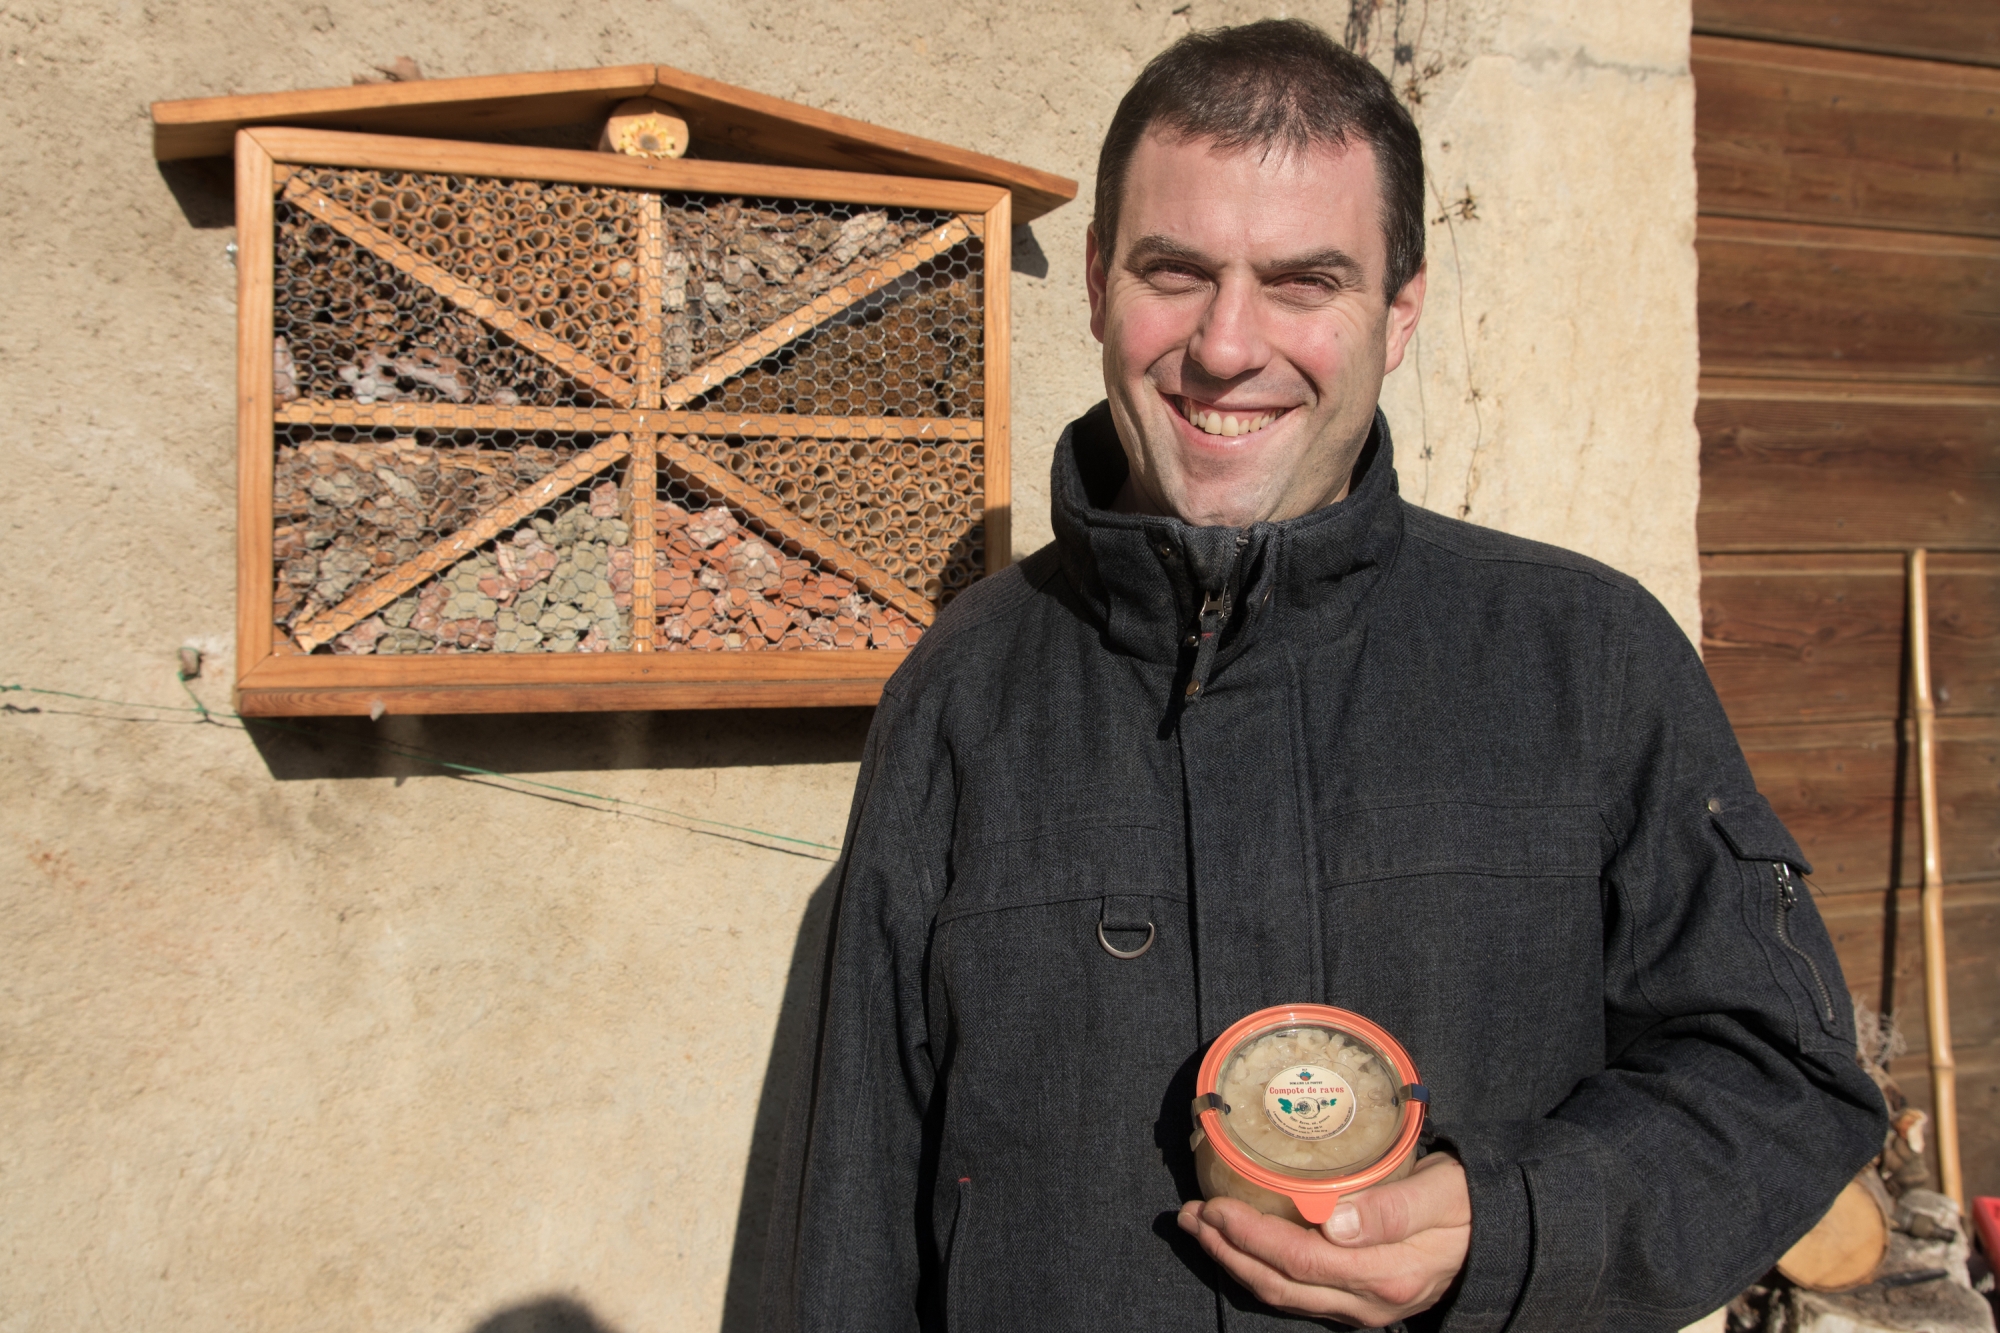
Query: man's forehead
point(1278, 199)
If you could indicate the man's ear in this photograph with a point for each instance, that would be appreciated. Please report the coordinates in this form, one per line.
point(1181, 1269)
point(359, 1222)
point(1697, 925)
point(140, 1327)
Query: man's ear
point(1404, 312)
point(1093, 280)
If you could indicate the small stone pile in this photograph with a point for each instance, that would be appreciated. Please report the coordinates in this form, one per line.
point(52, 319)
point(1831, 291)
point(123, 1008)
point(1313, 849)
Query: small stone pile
point(347, 512)
point(558, 585)
point(719, 587)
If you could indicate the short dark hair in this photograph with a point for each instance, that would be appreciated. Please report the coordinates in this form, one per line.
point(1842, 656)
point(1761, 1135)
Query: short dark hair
point(1279, 83)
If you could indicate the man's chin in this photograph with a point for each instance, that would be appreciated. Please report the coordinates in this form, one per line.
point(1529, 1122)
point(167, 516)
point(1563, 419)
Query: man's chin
point(1219, 507)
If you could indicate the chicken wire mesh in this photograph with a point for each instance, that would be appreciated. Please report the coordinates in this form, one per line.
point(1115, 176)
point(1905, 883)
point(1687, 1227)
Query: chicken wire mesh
point(430, 330)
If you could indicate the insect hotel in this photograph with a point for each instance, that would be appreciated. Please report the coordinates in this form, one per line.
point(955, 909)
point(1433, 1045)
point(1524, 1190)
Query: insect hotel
point(617, 388)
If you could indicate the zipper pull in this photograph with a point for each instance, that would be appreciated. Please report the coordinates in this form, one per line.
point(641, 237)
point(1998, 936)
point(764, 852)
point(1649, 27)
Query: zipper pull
point(1788, 895)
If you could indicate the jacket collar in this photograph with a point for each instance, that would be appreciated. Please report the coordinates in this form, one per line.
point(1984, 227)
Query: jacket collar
point(1141, 578)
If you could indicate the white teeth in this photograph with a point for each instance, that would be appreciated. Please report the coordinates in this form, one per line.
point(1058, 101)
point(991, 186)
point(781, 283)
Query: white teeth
point(1229, 424)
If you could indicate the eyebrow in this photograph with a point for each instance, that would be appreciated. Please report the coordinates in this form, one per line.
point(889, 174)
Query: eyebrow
point(1163, 247)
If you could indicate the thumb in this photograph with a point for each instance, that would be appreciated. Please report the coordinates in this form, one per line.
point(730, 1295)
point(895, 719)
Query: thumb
point(1433, 1195)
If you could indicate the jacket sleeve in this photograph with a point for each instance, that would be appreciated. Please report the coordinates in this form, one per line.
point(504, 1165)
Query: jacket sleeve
point(1731, 1109)
point(844, 1250)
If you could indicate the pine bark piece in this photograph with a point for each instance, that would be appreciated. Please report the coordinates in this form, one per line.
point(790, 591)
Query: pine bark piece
point(393, 252)
point(788, 527)
point(379, 592)
point(726, 365)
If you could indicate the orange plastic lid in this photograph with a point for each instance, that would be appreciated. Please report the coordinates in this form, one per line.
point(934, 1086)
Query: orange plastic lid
point(1311, 1102)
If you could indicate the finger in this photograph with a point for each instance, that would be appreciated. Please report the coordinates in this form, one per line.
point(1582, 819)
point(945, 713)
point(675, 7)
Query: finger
point(1297, 1252)
point(1433, 1196)
point(1378, 1284)
point(1266, 1282)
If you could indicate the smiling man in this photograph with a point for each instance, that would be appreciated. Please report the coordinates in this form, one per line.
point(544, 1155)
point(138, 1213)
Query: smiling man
point(1253, 731)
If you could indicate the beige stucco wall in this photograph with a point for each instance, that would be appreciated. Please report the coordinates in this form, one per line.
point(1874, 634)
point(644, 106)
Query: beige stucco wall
point(295, 1033)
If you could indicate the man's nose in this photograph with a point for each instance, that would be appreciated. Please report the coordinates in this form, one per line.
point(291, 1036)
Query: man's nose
point(1229, 341)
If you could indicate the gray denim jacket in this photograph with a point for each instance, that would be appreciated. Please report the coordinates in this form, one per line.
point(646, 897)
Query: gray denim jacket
point(1475, 788)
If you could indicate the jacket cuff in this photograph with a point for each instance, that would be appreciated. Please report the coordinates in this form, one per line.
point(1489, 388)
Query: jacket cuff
point(1496, 1261)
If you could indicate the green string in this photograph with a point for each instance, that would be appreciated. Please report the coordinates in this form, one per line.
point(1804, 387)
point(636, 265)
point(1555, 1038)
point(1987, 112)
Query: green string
point(209, 715)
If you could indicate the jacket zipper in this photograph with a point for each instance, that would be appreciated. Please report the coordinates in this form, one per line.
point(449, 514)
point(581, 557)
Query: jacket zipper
point(1216, 607)
point(1788, 898)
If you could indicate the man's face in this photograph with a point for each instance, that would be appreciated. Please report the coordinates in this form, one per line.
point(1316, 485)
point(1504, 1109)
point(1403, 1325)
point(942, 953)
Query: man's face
point(1245, 328)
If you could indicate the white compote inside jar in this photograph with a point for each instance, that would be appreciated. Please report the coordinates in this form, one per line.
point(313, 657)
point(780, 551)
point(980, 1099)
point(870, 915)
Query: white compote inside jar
point(1299, 1105)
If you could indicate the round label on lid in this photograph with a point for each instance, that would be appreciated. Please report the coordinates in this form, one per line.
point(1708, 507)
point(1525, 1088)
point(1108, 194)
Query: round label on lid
point(1309, 1101)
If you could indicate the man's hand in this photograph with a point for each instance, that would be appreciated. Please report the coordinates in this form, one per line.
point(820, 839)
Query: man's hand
point(1385, 1254)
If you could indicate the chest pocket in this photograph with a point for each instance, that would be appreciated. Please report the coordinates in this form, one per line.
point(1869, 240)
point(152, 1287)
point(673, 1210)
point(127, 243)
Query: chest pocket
point(1122, 881)
point(1498, 840)
point(1780, 915)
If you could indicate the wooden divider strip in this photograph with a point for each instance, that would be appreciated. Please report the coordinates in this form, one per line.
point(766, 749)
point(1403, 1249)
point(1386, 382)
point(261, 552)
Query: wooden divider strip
point(644, 479)
point(599, 421)
point(255, 461)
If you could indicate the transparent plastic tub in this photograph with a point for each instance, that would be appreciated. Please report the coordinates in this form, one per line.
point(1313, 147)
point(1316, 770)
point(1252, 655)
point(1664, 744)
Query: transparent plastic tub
point(1299, 1105)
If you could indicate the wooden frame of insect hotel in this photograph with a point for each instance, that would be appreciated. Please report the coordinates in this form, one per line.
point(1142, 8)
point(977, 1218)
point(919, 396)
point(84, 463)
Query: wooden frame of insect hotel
point(548, 428)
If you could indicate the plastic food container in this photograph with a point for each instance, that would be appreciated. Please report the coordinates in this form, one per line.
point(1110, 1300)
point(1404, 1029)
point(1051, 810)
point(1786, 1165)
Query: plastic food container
point(1299, 1105)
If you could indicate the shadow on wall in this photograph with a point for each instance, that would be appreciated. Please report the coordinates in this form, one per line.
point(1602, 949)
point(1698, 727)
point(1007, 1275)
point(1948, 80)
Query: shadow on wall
point(553, 1314)
point(295, 749)
point(742, 1300)
point(797, 1020)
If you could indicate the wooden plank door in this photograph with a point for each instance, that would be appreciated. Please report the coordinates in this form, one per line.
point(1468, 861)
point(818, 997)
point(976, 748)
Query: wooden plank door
point(1850, 410)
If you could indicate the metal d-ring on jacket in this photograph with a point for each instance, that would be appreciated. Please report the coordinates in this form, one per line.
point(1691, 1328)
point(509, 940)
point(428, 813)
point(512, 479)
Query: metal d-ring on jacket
point(1475, 788)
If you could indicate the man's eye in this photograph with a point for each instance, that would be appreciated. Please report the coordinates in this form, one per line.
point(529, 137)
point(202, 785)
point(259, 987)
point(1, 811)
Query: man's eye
point(1174, 275)
point(1310, 284)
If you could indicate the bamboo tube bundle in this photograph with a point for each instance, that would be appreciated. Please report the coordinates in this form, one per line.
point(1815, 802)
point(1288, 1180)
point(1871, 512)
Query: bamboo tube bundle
point(564, 257)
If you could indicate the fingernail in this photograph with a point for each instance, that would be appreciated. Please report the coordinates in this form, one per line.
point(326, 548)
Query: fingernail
point(1345, 1224)
point(1189, 1212)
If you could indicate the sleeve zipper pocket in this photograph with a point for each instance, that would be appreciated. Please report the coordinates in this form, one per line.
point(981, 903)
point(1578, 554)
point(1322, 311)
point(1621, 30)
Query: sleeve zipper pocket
point(1788, 898)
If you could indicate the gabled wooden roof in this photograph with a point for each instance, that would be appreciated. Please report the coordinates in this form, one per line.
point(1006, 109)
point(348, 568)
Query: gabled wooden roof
point(724, 121)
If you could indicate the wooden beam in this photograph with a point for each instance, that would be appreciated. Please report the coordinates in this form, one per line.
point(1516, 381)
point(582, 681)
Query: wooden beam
point(566, 682)
point(644, 479)
point(379, 592)
point(603, 421)
point(787, 526)
point(1797, 134)
point(997, 517)
point(776, 130)
point(1848, 793)
point(1783, 301)
point(724, 120)
point(1820, 638)
point(1955, 30)
point(652, 296)
point(331, 148)
point(1834, 466)
point(723, 688)
point(485, 104)
point(573, 363)
point(733, 361)
point(255, 260)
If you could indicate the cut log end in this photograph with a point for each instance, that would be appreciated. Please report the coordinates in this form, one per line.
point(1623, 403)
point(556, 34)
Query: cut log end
point(642, 127)
point(1845, 1247)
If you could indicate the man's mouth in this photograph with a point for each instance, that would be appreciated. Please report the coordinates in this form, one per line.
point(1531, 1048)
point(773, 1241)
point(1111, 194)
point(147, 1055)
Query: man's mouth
point(1227, 422)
